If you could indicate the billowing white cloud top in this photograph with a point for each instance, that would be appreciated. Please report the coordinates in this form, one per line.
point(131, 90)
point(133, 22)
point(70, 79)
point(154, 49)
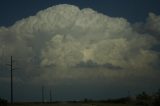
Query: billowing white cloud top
point(64, 42)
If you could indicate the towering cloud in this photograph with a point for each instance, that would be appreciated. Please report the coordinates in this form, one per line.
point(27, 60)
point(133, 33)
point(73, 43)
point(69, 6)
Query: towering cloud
point(64, 42)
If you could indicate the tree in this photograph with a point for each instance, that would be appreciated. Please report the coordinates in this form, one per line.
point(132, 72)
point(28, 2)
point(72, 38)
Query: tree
point(143, 98)
point(157, 98)
point(3, 101)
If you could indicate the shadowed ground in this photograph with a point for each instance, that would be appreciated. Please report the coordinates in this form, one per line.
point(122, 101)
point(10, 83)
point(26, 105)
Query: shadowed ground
point(70, 104)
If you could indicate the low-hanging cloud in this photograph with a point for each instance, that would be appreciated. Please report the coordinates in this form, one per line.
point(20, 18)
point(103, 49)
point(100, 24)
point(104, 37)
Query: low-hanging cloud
point(59, 42)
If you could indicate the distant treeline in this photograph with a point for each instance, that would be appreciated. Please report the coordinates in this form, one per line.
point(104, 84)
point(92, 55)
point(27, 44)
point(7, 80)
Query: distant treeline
point(141, 99)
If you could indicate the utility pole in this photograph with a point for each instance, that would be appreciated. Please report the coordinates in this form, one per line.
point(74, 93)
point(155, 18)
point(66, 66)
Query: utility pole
point(50, 94)
point(11, 81)
point(42, 94)
point(129, 94)
point(11, 69)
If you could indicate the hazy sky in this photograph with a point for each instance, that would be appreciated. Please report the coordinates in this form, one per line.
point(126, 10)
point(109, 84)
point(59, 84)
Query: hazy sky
point(79, 48)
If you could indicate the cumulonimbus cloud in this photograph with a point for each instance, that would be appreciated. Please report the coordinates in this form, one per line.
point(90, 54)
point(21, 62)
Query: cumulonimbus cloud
point(63, 37)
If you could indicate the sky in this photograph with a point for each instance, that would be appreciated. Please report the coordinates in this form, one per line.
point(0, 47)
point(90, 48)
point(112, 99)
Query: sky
point(79, 48)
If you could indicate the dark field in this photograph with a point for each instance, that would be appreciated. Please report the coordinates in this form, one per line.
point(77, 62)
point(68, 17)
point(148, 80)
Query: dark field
point(70, 104)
